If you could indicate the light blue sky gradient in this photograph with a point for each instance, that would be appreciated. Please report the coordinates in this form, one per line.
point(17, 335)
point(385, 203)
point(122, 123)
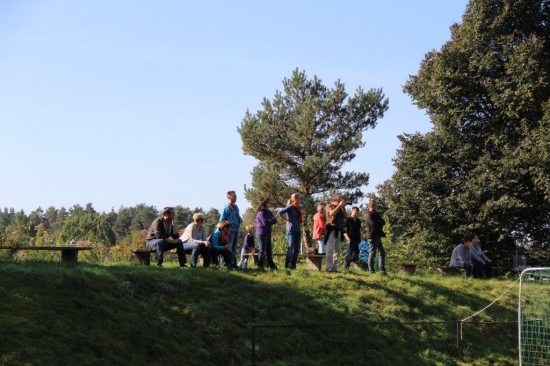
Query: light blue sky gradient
point(125, 102)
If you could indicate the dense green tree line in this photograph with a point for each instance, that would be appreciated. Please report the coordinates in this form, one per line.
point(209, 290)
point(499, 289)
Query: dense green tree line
point(485, 164)
point(60, 226)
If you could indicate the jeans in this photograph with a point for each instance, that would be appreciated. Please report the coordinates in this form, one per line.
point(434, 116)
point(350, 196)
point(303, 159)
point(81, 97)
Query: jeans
point(334, 247)
point(352, 253)
point(265, 250)
point(321, 246)
point(160, 246)
point(293, 248)
point(232, 240)
point(375, 244)
point(193, 249)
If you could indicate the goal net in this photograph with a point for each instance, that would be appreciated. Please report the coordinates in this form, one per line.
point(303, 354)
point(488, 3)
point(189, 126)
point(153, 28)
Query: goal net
point(534, 317)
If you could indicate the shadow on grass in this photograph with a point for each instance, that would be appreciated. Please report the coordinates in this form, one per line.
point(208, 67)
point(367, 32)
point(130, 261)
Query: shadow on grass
point(53, 313)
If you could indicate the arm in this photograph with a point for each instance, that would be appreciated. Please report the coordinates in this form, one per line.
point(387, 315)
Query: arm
point(349, 228)
point(216, 240)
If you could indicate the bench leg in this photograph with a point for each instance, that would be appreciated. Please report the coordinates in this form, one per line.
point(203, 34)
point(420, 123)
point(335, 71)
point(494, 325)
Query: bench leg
point(69, 256)
point(143, 258)
point(314, 263)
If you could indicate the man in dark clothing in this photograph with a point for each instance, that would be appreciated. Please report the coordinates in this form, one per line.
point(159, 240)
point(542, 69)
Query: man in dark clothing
point(163, 237)
point(353, 236)
point(375, 223)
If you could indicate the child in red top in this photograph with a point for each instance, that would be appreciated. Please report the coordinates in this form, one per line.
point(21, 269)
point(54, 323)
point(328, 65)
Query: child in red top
point(319, 227)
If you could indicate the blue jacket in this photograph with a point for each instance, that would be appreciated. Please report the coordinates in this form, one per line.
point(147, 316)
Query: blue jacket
point(231, 214)
point(217, 240)
point(292, 214)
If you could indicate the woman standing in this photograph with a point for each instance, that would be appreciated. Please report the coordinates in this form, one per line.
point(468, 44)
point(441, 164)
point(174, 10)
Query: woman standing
point(293, 229)
point(264, 221)
point(319, 227)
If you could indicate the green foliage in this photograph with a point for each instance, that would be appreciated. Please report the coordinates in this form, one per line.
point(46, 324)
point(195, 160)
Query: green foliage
point(90, 314)
point(485, 164)
point(304, 137)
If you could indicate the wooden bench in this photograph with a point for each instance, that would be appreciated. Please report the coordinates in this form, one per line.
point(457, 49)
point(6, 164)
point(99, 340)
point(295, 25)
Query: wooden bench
point(69, 253)
point(449, 270)
point(408, 268)
point(313, 261)
point(256, 254)
point(143, 256)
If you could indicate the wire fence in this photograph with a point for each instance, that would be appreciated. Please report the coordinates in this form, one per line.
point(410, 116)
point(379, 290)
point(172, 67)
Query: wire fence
point(370, 340)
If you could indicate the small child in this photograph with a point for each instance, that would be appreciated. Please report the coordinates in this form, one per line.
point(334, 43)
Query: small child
point(248, 245)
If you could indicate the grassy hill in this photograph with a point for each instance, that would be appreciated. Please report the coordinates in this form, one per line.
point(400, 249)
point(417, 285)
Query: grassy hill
point(122, 314)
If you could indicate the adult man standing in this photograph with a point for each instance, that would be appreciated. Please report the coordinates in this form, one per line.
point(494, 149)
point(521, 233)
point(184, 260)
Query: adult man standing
point(375, 224)
point(335, 226)
point(479, 259)
point(353, 237)
point(162, 237)
point(230, 212)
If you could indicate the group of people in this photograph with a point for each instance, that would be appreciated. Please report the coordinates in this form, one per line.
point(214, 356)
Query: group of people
point(331, 226)
point(469, 255)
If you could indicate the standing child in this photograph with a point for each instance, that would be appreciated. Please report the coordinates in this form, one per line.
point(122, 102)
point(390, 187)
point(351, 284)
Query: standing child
point(248, 245)
point(319, 227)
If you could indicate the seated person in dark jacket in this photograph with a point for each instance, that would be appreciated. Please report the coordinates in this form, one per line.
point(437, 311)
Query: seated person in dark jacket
point(162, 237)
point(479, 259)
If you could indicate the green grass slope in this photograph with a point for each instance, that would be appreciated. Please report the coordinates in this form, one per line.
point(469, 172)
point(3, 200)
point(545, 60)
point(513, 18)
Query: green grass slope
point(88, 314)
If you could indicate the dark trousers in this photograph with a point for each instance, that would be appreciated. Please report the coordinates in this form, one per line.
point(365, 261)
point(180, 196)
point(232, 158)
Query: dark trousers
point(265, 250)
point(375, 245)
point(478, 269)
point(206, 253)
point(227, 255)
point(160, 246)
point(352, 253)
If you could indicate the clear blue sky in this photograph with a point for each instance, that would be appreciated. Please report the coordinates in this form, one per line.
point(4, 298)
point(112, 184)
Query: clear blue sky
point(127, 102)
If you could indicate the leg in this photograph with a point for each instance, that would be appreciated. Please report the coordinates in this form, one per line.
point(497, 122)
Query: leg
point(337, 251)
point(206, 255)
point(468, 269)
point(382, 257)
point(261, 249)
point(194, 249)
point(372, 254)
point(477, 272)
point(179, 250)
point(231, 240)
point(321, 245)
point(349, 255)
point(355, 250)
point(288, 259)
point(296, 239)
point(331, 242)
point(242, 261)
point(157, 245)
point(488, 269)
point(269, 253)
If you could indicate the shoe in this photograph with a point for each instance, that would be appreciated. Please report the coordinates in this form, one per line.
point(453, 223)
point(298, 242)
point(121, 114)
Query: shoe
point(184, 266)
point(372, 272)
point(383, 273)
point(159, 265)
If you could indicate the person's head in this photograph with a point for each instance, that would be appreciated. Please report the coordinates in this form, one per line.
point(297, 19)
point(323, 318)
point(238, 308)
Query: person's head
point(168, 214)
point(466, 239)
point(295, 199)
point(373, 206)
point(354, 211)
point(198, 218)
point(336, 199)
point(264, 204)
point(231, 197)
point(224, 226)
point(475, 237)
point(321, 207)
point(249, 229)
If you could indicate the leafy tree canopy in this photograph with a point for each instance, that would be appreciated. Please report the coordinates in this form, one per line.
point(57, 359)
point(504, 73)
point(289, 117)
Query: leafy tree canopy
point(485, 164)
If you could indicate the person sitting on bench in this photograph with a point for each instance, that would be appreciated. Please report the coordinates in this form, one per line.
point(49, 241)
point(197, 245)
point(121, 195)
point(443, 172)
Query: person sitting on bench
point(194, 241)
point(479, 259)
point(162, 237)
point(461, 256)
